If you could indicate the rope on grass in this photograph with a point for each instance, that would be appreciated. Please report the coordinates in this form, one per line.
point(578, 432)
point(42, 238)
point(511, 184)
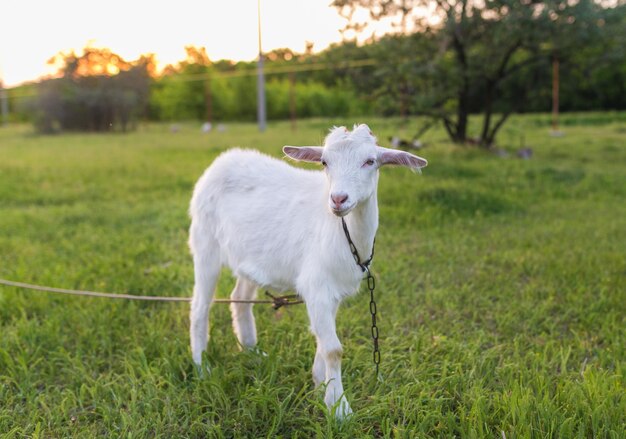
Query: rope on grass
point(275, 301)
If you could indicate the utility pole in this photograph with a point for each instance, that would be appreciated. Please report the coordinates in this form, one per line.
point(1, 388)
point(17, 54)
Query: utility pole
point(261, 116)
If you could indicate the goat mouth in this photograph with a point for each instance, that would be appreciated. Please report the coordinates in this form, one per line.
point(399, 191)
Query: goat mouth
point(343, 211)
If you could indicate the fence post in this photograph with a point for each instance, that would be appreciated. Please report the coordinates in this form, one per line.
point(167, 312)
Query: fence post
point(555, 94)
point(4, 98)
point(292, 99)
point(208, 96)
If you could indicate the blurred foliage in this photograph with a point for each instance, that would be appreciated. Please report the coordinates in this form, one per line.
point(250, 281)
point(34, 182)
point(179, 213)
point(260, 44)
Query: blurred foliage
point(492, 58)
point(457, 57)
point(196, 88)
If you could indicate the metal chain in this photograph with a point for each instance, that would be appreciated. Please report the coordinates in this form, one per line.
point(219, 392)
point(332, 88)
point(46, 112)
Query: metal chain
point(371, 286)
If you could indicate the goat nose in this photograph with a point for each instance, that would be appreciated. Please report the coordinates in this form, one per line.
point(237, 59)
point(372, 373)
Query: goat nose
point(339, 198)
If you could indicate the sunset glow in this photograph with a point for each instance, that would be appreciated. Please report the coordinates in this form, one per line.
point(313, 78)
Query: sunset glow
point(35, 32)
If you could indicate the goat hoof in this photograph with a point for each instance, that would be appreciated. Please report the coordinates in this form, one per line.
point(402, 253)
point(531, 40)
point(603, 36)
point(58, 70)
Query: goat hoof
point(256, 351)
point(203, 370)
point(342, 409)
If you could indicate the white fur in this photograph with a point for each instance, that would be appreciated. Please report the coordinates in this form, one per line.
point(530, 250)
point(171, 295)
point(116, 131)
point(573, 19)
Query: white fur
point(278, 227)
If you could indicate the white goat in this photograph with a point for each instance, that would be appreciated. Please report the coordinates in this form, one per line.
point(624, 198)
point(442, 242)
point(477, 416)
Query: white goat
point(277, 227)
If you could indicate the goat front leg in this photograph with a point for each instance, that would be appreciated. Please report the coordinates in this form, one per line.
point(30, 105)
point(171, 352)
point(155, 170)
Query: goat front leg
point(327, 363)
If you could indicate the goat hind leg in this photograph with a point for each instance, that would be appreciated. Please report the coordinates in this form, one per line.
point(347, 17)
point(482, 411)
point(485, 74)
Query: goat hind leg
point(243, 318)
point(319, 367)
point(206, 271)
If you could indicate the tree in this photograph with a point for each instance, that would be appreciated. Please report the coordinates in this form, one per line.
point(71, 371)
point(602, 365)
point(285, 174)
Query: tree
point(479, 47)
point(95, 91)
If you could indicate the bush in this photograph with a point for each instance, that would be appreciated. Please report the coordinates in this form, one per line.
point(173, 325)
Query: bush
point(87, 98)
point(235, 98)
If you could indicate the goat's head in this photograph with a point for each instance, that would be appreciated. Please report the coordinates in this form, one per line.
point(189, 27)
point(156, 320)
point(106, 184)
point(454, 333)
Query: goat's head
point(351, 160)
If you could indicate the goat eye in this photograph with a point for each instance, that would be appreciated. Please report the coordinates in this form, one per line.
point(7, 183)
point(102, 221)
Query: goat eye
point(369, 162)
point(324, 164)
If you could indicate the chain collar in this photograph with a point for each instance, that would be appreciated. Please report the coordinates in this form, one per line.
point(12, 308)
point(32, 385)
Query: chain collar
point(363, 265)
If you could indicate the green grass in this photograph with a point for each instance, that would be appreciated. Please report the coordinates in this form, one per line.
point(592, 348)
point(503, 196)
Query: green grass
point(501, 292)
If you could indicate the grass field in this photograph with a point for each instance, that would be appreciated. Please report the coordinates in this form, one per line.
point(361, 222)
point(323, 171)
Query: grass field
point(501, 293)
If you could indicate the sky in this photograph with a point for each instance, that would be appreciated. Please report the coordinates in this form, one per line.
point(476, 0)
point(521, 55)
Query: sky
point(33, 31)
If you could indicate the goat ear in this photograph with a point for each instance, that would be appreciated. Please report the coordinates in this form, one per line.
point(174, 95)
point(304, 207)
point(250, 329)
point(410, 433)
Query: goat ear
point(388, 156)
point(304, 153)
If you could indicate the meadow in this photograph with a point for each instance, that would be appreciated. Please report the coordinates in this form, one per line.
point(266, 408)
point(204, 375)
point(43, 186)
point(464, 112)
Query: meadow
point(501, 290)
